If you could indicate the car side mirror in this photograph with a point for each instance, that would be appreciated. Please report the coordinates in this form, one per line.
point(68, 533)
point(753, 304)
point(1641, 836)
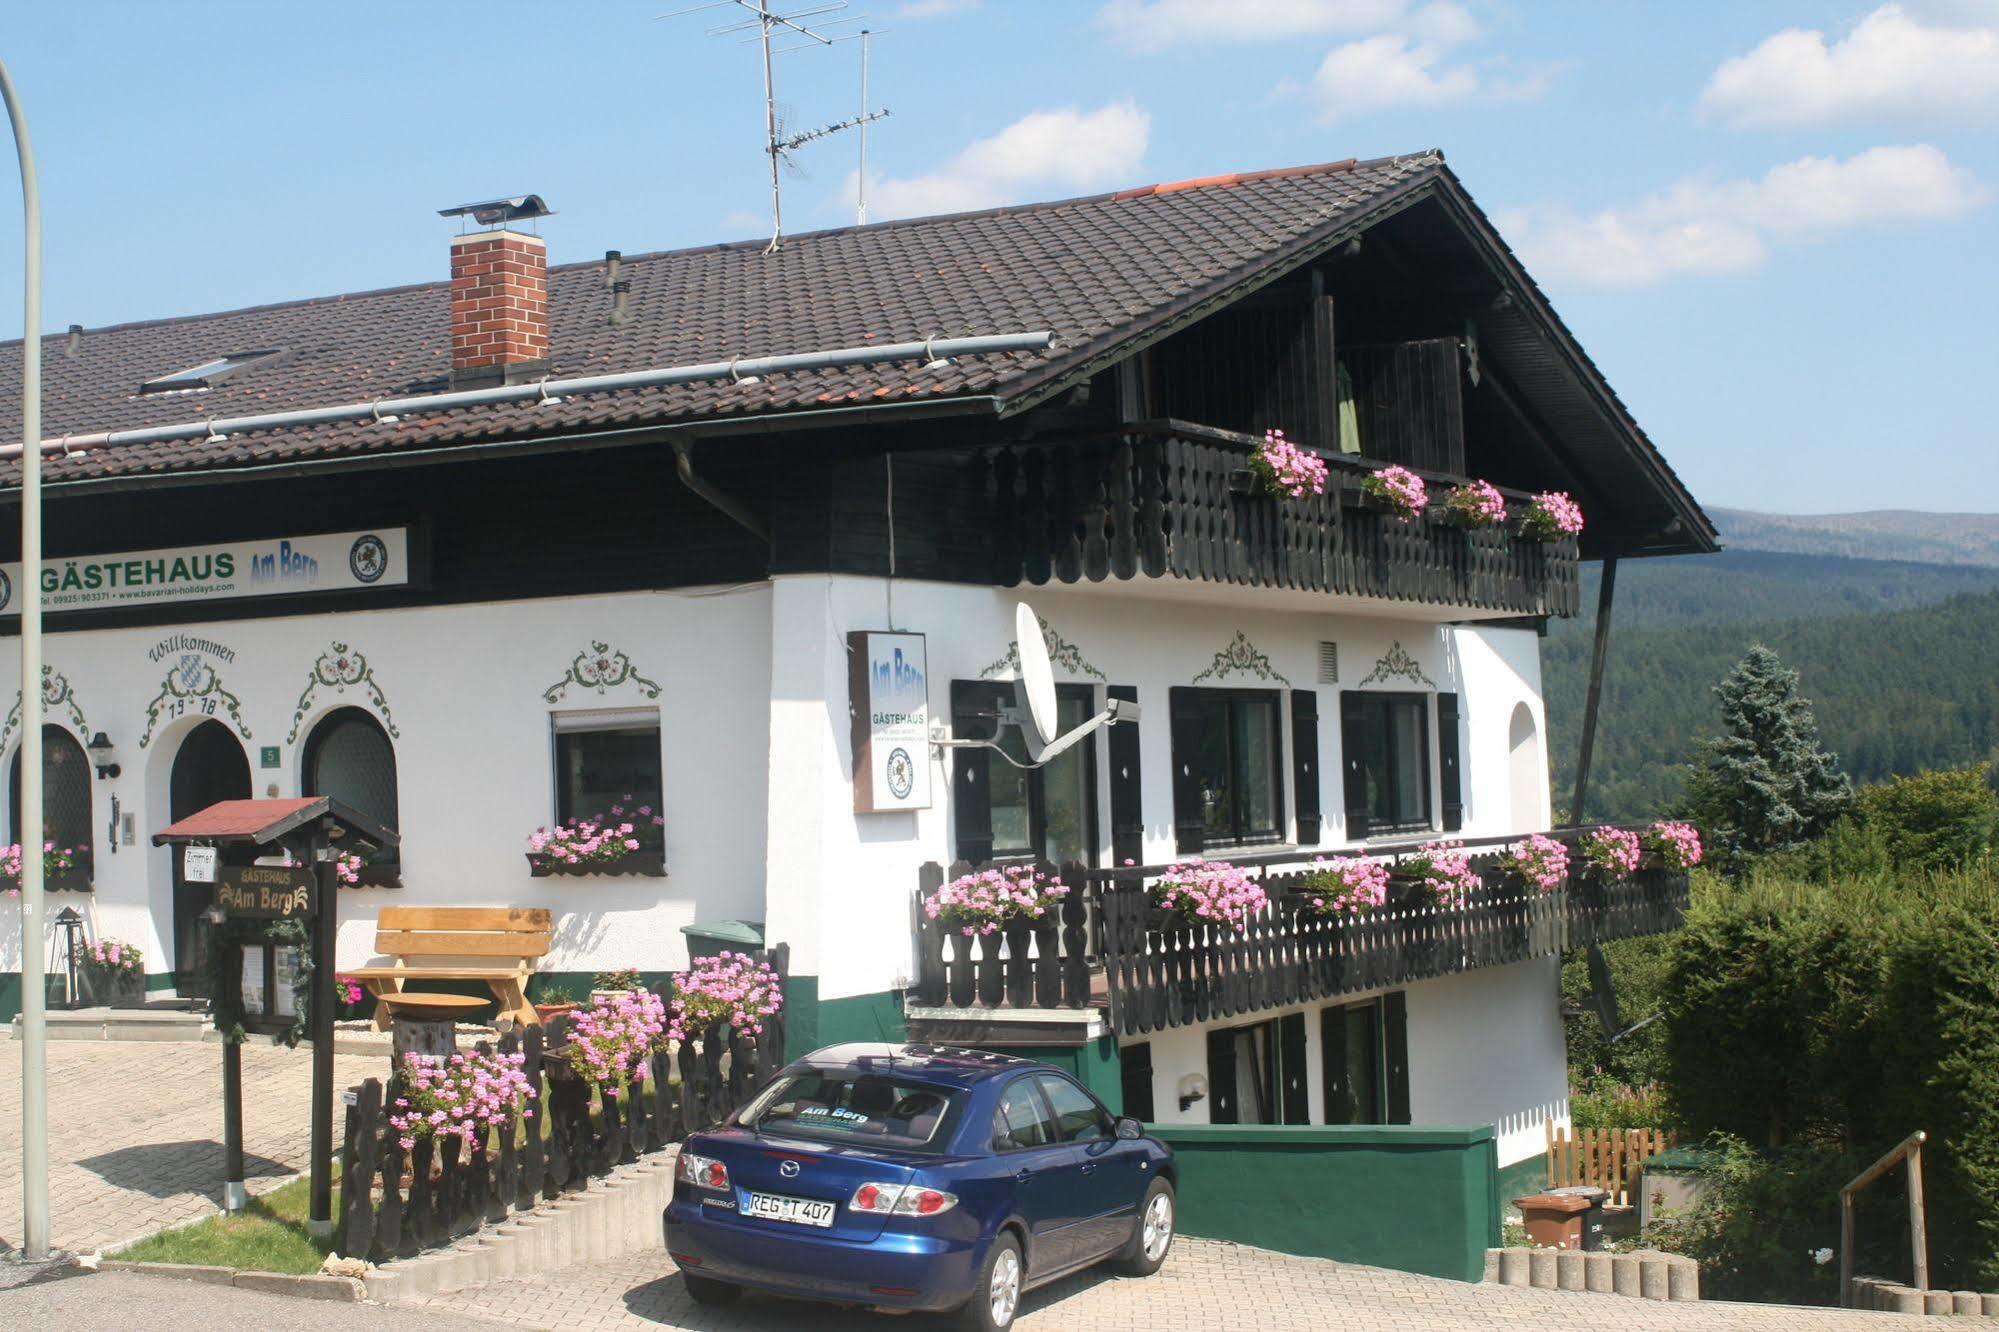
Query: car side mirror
point(1129, 1129)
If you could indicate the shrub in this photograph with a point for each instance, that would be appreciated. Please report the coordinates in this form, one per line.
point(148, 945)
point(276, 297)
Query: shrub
point(1602, 1102)
point(1939, 819)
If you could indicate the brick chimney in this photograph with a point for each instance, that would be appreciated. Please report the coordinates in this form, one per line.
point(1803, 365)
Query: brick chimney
point(499, 308)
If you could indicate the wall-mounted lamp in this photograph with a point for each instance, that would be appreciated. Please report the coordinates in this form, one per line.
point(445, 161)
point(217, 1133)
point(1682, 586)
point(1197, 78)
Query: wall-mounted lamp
point(104, 755)
point(1193, 1088)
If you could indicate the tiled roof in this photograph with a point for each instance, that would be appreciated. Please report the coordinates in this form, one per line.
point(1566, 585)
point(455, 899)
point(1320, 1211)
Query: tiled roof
point(1095, 271)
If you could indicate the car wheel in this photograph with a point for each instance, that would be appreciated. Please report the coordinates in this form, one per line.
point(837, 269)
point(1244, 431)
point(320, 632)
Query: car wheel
point(1153, 1235)
point(996, 1299)
point(707, 1290)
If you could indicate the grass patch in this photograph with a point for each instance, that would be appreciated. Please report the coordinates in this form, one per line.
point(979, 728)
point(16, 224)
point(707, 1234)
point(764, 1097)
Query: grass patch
point(267, 1236)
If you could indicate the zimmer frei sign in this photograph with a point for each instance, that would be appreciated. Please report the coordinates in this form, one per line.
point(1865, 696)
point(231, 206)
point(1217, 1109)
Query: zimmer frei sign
point(889, 692)
point(271, 567)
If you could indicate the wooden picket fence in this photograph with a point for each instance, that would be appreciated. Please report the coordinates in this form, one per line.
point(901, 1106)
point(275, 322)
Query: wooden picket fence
point(396, 1203)
point(1607, 1159)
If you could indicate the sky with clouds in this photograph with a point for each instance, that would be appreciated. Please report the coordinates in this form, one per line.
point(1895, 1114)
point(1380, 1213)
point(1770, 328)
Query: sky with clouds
point(1772, 225)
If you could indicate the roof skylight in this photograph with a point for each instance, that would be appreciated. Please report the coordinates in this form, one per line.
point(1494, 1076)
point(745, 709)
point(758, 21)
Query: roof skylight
point(208, 373)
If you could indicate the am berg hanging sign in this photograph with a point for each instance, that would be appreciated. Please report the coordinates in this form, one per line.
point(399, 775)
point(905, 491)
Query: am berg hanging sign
point(271, 567)
point(889, 692)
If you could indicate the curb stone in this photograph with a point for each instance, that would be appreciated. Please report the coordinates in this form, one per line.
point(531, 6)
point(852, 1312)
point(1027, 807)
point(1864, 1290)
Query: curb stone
point(1645, 1274)
point(313, 1286)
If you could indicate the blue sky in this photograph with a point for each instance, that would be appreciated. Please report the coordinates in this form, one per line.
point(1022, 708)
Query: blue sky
point(1772, 224)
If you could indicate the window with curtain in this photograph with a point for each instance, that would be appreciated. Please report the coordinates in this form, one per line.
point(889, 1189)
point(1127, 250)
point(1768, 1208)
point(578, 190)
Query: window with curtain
point(1238, 761)
point(348, 757)
point(1047, 813)
point(66, 776)
point(1394, 740)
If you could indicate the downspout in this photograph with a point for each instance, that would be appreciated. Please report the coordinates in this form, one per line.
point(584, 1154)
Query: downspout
point(683, 463)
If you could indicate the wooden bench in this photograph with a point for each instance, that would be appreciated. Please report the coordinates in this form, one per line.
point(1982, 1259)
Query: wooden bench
point(498, 945)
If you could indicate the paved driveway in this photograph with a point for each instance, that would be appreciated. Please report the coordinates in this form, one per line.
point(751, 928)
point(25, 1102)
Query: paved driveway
point(135, 1131)
point(1205, 1285)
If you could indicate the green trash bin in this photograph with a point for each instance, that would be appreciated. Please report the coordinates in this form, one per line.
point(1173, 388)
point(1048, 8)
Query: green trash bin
point(734, 936)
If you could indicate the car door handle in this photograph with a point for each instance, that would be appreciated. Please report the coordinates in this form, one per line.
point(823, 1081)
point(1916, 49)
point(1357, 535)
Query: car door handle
point(1023, 1174)
point(1089, 1167)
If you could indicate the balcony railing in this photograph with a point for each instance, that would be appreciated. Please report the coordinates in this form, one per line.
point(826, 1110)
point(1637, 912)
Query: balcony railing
point(1113, 948)
point(1173, 499)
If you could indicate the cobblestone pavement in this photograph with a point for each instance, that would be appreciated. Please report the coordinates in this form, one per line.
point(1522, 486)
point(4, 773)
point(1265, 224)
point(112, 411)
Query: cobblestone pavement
point(135, 1131)
point(1205, 1286)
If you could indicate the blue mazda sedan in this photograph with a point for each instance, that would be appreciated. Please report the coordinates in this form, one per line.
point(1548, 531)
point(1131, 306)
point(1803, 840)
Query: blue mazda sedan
point(917, 1177)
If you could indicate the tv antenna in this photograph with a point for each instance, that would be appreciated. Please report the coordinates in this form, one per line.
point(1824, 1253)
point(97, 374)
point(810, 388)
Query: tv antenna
point(765, 24)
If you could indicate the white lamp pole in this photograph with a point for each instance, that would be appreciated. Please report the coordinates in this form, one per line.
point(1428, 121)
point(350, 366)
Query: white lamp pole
point(34, 1033)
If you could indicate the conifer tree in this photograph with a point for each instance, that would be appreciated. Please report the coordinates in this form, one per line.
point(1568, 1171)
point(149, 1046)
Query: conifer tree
point(1766, 785)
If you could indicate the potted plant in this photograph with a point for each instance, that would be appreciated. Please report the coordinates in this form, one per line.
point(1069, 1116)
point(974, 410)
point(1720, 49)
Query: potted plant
point(1611, 855)
point(1438, 872)
point(1672, 844)
point(1342, 886)
point(620, 980)
point(352, 997)
point(1552, 516)
point(64, 869)
point(553, 1002)
point(1395, 490)
point(984, 902)
point(1208, 891)
point(1540, 860)
point(611, 1042)
point(726, 990)
point(1474, 505)
point(111, 971)
point(461, 1096)
point(1280, 467)
point(628, 838)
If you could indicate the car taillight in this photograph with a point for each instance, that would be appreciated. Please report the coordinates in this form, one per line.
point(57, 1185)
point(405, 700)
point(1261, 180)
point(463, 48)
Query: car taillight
point(703, 1172)
point(901, 1200)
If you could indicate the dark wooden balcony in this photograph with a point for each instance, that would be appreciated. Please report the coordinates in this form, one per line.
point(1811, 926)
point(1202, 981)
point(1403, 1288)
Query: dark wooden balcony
point(1112, 949)
point(1170, 499)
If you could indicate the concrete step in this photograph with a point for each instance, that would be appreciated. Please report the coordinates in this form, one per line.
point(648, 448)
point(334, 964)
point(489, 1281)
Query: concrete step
point(123, 1024)
point(615, 1216)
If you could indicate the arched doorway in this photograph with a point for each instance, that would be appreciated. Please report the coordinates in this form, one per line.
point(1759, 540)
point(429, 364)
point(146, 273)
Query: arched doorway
point(1529, 786)
point(209, 766)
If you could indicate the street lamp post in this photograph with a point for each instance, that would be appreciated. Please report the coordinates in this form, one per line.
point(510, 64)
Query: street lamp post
point(34, 1032)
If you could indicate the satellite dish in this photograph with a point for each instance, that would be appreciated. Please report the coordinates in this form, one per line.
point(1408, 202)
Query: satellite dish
point(1034, 689)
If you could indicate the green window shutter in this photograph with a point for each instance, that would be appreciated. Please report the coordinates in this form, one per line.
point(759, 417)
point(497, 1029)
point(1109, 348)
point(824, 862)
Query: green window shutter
point(1221, 1077)
point(1333, 1062)
point(1395, 1047)
point(971, 793)
point(1127, 803)
point(1305, 764)
point(1292, 1094)
point(1189, 820)
point(1353, 748)
point(1447, 762)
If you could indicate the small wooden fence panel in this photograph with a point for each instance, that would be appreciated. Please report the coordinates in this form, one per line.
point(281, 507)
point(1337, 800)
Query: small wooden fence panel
point(397, 1202)
point(1607, 1159)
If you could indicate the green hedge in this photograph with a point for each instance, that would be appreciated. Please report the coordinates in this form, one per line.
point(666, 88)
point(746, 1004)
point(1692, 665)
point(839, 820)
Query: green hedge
point(1834, 1019)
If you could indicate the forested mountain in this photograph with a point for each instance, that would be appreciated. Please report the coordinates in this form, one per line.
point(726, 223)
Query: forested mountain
point(1899, 659)
point(1883, 534)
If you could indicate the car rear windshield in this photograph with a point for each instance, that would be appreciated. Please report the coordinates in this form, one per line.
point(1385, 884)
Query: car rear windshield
point(850, 1106)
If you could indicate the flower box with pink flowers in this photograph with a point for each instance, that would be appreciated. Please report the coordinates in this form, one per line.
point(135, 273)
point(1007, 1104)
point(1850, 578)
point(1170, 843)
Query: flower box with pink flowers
point(625, 839)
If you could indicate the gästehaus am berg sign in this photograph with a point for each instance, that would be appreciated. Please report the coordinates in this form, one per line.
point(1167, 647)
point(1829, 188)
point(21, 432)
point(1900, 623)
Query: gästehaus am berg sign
point(269, 567)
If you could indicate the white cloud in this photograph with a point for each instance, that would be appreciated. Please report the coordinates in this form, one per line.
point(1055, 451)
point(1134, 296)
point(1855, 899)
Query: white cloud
point(1153, 25)
point(1892, 65)
point(1387, 70)
point(1064, 149)
point(1698, 226)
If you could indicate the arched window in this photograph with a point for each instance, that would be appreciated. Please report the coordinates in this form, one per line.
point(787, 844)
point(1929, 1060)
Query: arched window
point(348, 757)
point(65, 794)
point(1528, 776)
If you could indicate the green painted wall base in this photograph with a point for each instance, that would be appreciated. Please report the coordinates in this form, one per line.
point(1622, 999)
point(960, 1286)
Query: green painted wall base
point(1416, 1199)
point(1520, 1179)
point(811, 1022)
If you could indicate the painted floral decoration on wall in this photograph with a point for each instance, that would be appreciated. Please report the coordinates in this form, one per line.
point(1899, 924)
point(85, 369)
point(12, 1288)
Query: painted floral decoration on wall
point(1062, 655)
point(339, 668)
point(1397, 662)
point(56, 694)
point(192, 687)
point(602, 668)
point(1241, 657)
